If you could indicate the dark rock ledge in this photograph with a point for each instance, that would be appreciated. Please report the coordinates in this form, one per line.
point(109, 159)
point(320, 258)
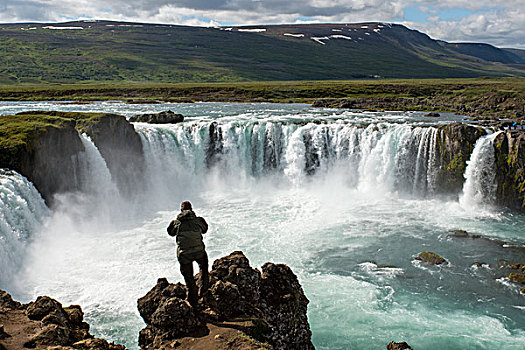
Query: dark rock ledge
point(244, 308)
point(45, 324)
point(165, 117)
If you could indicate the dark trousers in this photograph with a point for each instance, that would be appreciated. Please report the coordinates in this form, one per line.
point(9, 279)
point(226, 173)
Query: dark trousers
point(186, 268)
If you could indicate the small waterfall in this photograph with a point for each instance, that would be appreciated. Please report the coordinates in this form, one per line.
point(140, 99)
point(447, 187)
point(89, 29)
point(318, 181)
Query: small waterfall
point(97, 194)
point(393, 157)
point(22, 212)
point(95, 177)
point(480, 175)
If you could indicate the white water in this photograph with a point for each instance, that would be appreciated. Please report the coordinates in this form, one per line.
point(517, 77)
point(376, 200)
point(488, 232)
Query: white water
point(334, 199)
point(22, 213)
point(480, 175)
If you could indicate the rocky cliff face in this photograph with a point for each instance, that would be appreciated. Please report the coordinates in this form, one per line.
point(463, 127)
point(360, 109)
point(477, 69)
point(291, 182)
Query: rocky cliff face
point(49, 160)
point(121, 148)
point(509, 147)
point(454, 145)
point(49, 153)
point(268, 308)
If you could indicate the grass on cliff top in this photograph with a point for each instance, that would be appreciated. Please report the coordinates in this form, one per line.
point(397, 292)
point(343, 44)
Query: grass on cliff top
point(295, 91)
point(17, 130)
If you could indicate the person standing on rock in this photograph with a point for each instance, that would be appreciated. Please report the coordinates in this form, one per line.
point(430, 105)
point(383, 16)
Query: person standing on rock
point(188, 229)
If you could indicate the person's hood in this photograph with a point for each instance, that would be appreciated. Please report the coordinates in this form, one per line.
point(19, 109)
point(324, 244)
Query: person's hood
point(185, 215)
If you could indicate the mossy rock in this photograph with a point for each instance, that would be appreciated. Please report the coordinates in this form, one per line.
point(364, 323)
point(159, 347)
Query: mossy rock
point(517, 277)
point(431, 258)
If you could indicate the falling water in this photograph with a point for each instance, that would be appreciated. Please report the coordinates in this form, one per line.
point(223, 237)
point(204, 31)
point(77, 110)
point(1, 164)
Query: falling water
point(480, 184)
point(387, 156)
point(22, 213)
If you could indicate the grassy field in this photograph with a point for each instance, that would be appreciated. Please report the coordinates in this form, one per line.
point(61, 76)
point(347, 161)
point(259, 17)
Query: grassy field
point(491, 97)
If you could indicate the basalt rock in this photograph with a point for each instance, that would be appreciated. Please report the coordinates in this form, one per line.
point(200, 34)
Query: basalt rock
point(165, 117)
point(269, 307)
point(454, 145)
point(431, 258)
point(509, 153)
point(47, 161)
point(398, 346)
point(44, 323)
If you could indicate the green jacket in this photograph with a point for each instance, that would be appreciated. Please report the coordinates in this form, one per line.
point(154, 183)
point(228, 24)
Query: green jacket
point(188, 228)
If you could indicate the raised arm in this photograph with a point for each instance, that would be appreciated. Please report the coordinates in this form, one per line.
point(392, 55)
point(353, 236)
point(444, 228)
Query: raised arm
point(173, 228)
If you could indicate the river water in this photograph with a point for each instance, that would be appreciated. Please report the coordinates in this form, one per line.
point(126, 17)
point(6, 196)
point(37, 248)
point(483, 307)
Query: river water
point(346, 199)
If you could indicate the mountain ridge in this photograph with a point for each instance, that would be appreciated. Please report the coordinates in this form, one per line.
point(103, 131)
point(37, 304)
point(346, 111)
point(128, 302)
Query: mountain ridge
point(109, 51)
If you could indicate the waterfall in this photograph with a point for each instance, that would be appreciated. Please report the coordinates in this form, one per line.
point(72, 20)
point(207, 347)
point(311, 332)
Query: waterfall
point(480, 175)
point(97, 194)
point(386, 156)
point(22, 212)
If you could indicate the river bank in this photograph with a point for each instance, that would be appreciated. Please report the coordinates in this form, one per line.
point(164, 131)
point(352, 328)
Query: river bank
point(488, 98)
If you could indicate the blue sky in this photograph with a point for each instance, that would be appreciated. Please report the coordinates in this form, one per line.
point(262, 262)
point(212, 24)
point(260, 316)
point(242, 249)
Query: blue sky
point(498, 22)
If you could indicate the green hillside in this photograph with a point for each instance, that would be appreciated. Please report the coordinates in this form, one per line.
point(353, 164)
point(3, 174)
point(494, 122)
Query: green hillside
point(102, 51)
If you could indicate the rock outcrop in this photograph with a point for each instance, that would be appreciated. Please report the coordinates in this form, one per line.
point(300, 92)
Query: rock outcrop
point(267, 307)
point(165, 117)
point(47, 161)
point(398, 346)
point(44, 147)
point(44, 323)
point(509, 152)
point(431, 258)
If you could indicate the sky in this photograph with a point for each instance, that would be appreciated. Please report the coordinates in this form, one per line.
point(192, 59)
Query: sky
point(497, 22)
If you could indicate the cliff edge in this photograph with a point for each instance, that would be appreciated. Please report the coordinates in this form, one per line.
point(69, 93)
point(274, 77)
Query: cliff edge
point(244, 308)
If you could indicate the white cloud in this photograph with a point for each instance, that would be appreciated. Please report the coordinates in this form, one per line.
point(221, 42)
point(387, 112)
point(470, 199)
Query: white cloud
point(499, 22)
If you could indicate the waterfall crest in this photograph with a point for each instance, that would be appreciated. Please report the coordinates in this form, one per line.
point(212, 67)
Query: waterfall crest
point(393, 157)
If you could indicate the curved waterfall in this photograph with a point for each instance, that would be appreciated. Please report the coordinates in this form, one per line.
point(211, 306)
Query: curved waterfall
point(393, 157)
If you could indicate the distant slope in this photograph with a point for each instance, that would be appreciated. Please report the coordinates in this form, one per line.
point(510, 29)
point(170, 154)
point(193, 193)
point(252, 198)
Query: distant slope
point(518, 52)
point(104, 51)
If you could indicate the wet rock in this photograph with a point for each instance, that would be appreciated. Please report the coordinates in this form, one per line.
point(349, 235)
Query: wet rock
point(517, 277)
point(454, 145)
point(458, 233)
point(165, 117)
point(509, 153)
point(398, 346)
point(432, 115)
point(431, 258)
point(7, 302)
